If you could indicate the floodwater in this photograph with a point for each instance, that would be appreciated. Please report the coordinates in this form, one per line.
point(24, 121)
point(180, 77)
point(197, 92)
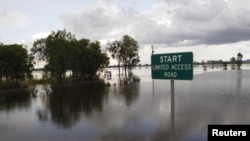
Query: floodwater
point(135, 112)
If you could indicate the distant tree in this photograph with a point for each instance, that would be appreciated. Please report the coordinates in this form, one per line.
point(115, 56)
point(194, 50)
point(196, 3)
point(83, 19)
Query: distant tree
point(225, 65)
point(15, 63)
point(233, 60)
point(239, 60)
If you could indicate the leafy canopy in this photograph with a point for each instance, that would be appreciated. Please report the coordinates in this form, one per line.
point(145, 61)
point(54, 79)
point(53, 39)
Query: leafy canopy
point(63, 52)
point(15, 63)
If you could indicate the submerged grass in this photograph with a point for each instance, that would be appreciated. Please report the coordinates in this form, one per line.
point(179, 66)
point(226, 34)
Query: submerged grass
point(11, 85)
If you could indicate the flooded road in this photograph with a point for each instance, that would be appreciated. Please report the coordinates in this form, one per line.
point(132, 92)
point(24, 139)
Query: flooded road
point(133, 112)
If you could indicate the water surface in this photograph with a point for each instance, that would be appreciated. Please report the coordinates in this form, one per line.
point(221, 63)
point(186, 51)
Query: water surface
point(137, 111)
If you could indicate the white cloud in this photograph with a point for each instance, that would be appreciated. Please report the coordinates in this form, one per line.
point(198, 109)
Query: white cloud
point(166, 22)
point(40, 35)
point(98, 21)
point(209, 52)
point(170, 25)
point(30, 40)
point(14, 20)
point(189, 25)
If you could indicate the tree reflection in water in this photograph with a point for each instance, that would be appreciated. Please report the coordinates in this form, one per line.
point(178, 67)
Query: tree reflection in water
point(65, 104)
point(14, 99)
point(130, 92)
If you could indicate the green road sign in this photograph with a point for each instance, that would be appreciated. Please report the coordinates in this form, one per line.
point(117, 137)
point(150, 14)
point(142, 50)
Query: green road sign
point(173, 66)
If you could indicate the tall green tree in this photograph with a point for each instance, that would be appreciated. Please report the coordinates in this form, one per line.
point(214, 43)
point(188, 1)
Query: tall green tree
point(96, 58)
point(15, 63)
point(78, 59)
point(129, 52)
point(63, 52)
point(125, 51)
point(56, 51)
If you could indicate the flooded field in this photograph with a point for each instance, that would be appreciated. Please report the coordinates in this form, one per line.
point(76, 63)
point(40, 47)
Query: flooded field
point(135, 112)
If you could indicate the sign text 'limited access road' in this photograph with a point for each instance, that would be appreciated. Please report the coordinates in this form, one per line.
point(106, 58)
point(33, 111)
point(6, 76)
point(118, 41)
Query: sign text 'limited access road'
point(174, 66)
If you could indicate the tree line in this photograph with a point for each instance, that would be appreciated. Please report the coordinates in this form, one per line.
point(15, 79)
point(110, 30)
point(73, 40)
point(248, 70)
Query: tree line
point(234, 62)
point(63, 53)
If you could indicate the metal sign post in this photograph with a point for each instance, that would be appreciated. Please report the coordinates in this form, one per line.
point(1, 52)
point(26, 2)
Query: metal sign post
point(172, 66)
point(172, 111)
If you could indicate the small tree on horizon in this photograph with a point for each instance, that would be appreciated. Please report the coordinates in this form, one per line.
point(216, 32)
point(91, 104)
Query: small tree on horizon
point(239, 60)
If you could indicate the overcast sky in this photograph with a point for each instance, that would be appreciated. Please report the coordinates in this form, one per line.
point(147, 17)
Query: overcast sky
point(211, 29)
